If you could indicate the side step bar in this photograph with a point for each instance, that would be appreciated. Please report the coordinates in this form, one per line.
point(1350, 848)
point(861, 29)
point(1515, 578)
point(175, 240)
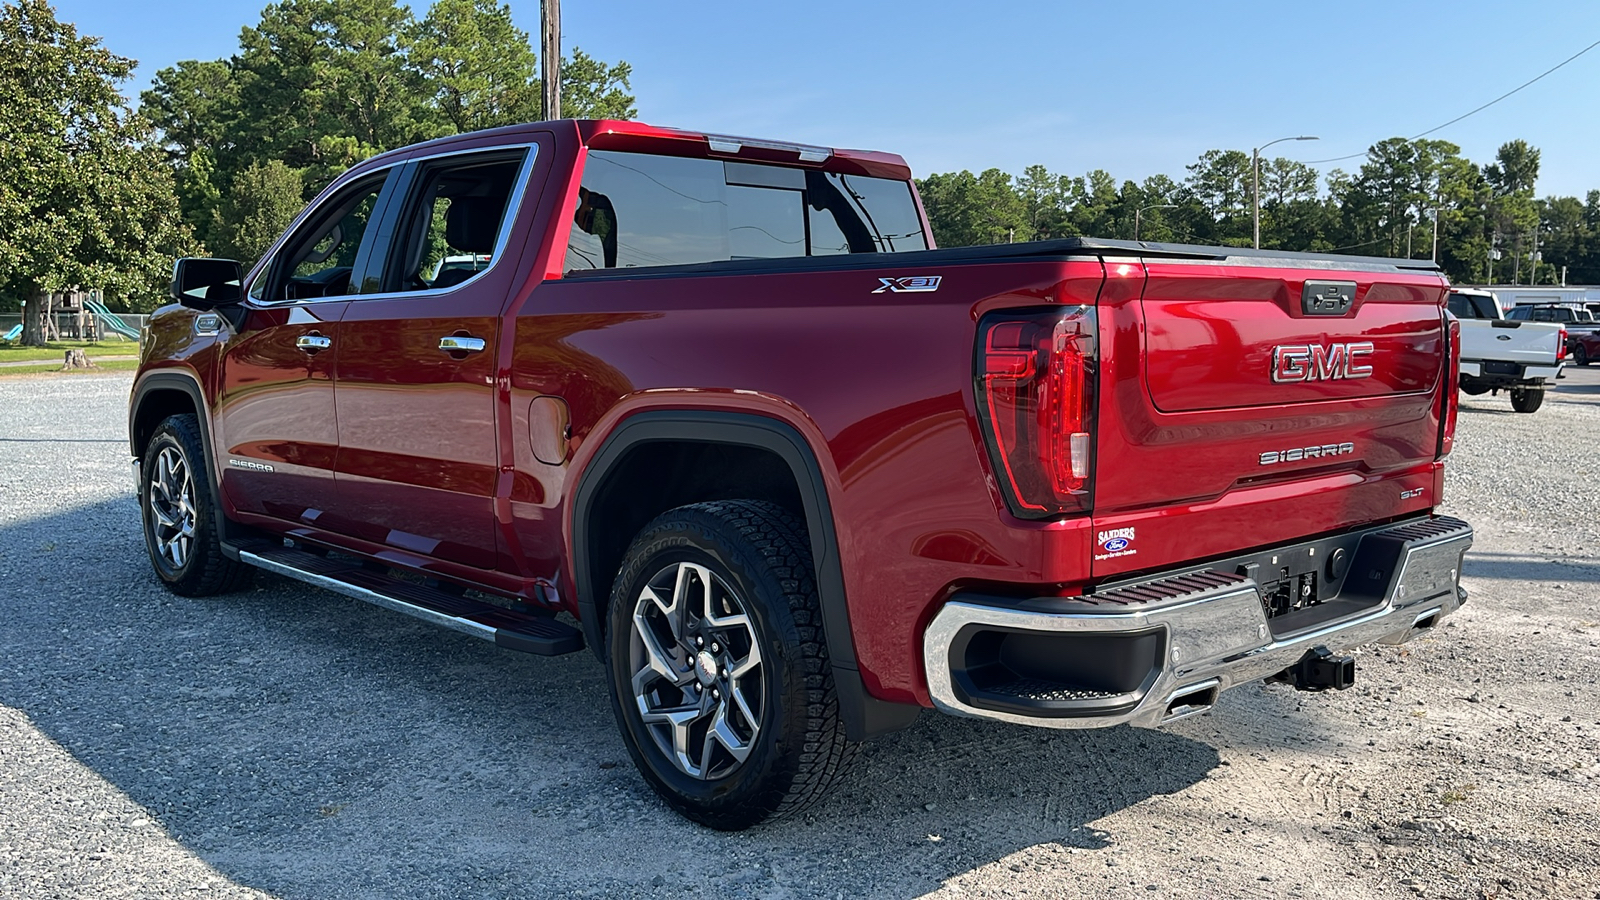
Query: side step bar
point(528, 632)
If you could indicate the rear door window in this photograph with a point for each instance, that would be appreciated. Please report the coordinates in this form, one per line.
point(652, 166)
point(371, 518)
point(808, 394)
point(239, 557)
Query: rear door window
point(454, 223)
point(636, 210)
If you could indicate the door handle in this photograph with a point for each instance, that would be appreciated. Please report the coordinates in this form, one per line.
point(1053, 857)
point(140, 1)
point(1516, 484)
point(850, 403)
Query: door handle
point(311, 343)
point(458, 344)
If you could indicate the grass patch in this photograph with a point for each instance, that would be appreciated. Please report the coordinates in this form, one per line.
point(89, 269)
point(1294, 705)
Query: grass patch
point(56, 349)
point(115, 365)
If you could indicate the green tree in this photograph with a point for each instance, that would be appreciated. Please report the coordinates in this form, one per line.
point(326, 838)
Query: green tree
point(322, 84)
point(1511, 211)
point(966, 209)
point(259, 204)
point(1220, 182)
point(85, 199)
point(591, 89)
point(480, 69)
point(325, 83)
point(1047, 201)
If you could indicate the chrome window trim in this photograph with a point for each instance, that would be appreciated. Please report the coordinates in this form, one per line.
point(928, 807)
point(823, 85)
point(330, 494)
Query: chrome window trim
point(513, 208)
point(272, 252)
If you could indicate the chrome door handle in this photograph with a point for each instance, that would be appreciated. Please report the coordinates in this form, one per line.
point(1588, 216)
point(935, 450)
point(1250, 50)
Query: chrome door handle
point(311, 343)
point(457, 344)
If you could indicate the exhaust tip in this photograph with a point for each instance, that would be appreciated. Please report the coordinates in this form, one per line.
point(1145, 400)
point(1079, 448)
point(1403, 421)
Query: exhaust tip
point(1191, 700)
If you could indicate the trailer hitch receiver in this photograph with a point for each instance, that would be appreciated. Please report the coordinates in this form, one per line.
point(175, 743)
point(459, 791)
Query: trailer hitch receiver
point(1319, 670)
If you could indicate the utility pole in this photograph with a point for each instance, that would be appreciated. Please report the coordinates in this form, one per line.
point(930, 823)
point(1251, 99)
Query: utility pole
point(1436, 235)
point(1255, 181)
point(550, 34)
point(1533, 258)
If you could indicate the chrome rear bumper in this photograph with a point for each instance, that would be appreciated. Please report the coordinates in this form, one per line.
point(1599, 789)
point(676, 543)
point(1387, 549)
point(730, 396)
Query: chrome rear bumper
point(1201, 632)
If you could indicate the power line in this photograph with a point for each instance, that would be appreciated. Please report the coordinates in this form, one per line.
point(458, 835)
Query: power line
point(1475, 111)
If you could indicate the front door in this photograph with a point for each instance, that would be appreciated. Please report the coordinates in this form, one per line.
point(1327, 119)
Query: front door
point(415, 376)
point(275, 409)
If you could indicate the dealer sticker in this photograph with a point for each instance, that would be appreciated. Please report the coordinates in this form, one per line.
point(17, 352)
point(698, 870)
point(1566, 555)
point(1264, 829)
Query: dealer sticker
point(1115, 542)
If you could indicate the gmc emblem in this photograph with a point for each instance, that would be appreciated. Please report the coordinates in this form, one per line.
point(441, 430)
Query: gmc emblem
point(1314, 362)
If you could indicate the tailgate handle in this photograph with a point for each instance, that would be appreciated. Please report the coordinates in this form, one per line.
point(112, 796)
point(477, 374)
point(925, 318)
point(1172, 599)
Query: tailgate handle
point(1505, 323)
point(1327, 298)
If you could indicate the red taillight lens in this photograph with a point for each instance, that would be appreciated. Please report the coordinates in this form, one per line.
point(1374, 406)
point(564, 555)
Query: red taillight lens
point(1452, 384)
point(1035, 377)
point(1561, 352)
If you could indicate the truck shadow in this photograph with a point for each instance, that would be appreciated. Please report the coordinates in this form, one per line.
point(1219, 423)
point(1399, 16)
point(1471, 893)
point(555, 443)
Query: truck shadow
point(309, 746)
point(1518, 567)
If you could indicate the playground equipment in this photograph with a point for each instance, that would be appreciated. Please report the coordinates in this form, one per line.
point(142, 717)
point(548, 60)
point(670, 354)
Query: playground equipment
point(81, 315)
point(110, 319)
point(13, 334)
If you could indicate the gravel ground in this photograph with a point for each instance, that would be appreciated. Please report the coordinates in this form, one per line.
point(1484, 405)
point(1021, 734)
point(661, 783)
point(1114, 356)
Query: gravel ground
point(288, 742)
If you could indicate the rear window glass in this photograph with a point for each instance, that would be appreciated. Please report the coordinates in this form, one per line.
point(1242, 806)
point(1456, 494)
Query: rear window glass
point(635, 210)
point(1471, 306)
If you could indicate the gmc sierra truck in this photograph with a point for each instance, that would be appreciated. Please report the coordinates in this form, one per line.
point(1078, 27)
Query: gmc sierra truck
point(717, 409)
point(1499, 353)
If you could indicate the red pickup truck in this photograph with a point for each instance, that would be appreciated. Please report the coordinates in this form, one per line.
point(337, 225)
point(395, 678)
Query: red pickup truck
point(794, 473)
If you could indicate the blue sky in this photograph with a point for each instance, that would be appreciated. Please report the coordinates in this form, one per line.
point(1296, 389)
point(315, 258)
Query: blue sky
point(1135, 87)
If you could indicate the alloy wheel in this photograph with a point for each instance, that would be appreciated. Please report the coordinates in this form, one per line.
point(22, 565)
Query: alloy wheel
point(697, 674)
point(172, 507)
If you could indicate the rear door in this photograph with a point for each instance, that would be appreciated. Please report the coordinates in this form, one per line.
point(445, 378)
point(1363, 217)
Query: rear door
point(416, 372)
point(1245, 405)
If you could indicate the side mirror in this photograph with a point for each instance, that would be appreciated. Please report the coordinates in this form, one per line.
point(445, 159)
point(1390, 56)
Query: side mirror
point(207, 283)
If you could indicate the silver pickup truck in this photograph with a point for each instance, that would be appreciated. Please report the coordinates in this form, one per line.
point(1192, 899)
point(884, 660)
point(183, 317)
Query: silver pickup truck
point(1498, 354)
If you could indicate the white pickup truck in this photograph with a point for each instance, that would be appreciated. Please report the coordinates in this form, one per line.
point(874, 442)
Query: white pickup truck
point(1505, 354)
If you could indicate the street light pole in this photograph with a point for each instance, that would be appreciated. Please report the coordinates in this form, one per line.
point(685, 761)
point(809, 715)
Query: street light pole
point(1255, 181)
point(1140, 211)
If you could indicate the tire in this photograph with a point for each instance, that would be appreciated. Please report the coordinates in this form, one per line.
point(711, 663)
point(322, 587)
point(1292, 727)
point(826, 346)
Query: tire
point(1472, 387)
point(179, 514)
point(1526, 400)
point(1580, 356)
point(783, 710)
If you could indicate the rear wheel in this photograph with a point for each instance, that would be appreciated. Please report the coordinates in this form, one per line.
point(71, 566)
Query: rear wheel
point(1526, 400)
point(179, 513)
point(719, 670)
point(1473, 387)
point(1580, 356)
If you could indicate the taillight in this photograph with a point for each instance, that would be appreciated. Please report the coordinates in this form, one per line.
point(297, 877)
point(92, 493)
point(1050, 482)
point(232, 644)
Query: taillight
point(1561, 352)
point(1035, 392)
point(1451, 386)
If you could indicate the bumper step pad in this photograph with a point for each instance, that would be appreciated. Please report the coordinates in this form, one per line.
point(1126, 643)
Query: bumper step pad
point(536, 633)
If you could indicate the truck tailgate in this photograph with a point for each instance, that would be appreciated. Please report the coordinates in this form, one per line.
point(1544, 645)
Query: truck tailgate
point(1528, 343)
point(1249, 405)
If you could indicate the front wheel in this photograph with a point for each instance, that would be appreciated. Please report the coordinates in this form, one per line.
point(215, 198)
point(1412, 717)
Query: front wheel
point(179, 513)
point(719, 669)
point(1526, 400)
point(1580, 356)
